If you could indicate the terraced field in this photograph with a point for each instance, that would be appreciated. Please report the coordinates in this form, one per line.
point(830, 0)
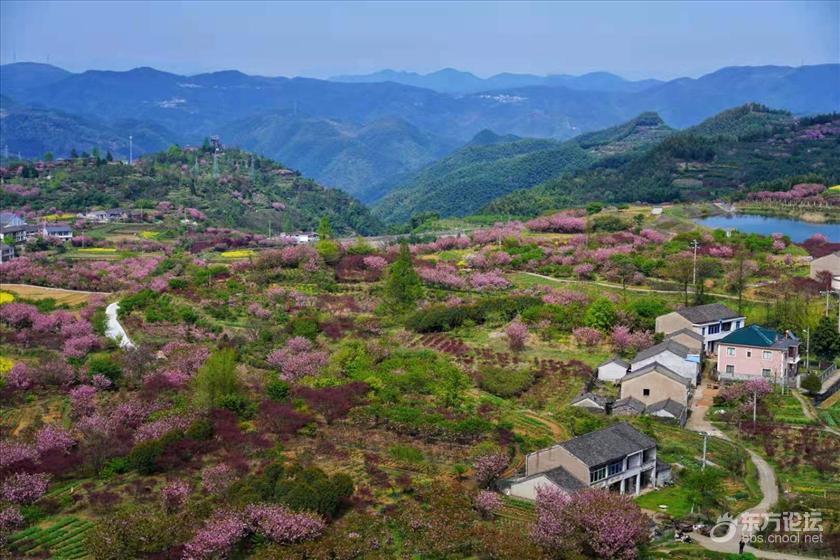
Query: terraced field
point(63, 539)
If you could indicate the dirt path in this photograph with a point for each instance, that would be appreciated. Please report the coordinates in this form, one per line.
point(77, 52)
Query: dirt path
point(630, 288)
point(703, 399)
point(808, 410)
point(114, 330)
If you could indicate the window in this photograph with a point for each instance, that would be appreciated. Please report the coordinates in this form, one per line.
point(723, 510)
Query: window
point(766, 355)
point(749, 353)
point(615, 468)
point(730, 351)
point(646, 392)
point(726, 327)
point(714, 329)
point(765, 372)
point(597, 474)
point(730, 369)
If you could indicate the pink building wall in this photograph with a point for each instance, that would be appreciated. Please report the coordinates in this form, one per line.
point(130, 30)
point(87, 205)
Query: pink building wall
point(752, 364)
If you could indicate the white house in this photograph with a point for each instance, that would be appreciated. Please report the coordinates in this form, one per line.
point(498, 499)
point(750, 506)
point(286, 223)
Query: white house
point(673, 356)
point(712, 321)
point(613, 369)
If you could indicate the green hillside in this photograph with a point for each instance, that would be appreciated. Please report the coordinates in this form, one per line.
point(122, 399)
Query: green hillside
point(237, 193)
point(471, 177)
point(742, 148)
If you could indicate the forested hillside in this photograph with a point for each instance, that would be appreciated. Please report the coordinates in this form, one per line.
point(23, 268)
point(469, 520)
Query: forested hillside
point(731, 152)
point(237, 190)
point(473, 176)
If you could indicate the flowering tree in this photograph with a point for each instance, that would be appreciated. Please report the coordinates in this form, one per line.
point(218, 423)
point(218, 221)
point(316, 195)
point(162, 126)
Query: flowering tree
point(587, 336)
point(174, 494)
point(82, 400)
point(487, 503)
point(593, 523)
point(281, 525)
point(224, 529)
point(53, 438)
point(487, 468)
point(218, 478)
point(297, 359)
point(584, 271)
point(24, 488)
point(517, 334)
point(558, 223)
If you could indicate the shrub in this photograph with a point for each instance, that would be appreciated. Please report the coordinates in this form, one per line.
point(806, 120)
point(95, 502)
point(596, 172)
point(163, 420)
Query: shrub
point(217, 378)
point(103, 364)
point(239, 404)
point(504, 382)
point(277, 390)
point(406, 453)
point(201, 429)
point(812, 383)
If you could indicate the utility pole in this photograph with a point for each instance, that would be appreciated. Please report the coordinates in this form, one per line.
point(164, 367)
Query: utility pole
point(705, 439)
point(130, 149)
point(807, 350)
point(755, 401)
point(694, 244)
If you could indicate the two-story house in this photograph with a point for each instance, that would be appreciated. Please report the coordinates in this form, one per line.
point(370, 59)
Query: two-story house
point(618, 458)
point(655, 390)
point(712, 321)
point(10, 219)
point(671, 354)
point(57, 230)
point(754, 352)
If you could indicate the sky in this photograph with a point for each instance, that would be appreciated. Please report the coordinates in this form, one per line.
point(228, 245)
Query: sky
point(320, 39)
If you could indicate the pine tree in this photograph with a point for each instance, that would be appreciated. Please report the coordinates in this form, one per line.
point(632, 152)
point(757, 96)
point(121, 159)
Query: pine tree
point(402, 287)
point(826, 340)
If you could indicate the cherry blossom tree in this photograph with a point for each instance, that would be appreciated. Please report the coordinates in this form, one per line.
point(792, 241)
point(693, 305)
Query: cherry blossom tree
point(297, 359)
point(487, 468)
point(593, 523)
point(517, 334)
point(587, 336)
point(24, 488)
point(487, 503)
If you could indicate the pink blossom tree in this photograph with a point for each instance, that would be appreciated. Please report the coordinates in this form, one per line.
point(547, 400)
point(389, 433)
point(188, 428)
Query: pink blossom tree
point(593, 523)
point(487, 468)
point(297, 359)
point(174, 494)
point(24, 488)
point(487, 503)
point(587, 336)
point(218, 478)
point(517, 334)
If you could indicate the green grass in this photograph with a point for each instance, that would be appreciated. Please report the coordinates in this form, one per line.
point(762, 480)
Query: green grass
point(64, 539)
point(675, 497)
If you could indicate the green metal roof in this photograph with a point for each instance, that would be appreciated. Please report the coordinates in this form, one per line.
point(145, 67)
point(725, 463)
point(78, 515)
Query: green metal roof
point(753, 335)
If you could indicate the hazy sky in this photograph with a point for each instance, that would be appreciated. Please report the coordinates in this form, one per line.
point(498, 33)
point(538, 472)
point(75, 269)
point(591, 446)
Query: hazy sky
point(319, 39)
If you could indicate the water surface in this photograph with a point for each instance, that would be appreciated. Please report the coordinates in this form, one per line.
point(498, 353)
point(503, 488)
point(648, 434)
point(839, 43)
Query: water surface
point(797, 230)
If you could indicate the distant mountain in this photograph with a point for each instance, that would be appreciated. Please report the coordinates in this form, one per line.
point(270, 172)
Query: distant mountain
point(340, 154)
point(747, 147)
point(177, 108)
point(33, 131)
point(22, 76)
point(469, 178)
point(454, 81)
point(250, 196)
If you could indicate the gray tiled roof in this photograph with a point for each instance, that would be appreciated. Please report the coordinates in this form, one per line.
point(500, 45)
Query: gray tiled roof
point(708, 313)
point(659, 368)
point(667, 345)
point(597, 399)
point(689, 332)
point(616, 360)
point(631, 403)
point(608, 444)
point(564, 479)
point(670, 406)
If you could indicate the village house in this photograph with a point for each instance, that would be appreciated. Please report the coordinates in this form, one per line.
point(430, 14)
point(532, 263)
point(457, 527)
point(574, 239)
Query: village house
point(20, 234)
point(829, 263)
point(58, 230)
point(661, 392)
point(672, 355)
point(590, 401)
point(618, 458)
point(712, 321)
point(7, 252)
point(9, 219)
point(758, 352)
point(613, 369)
point(689, 339)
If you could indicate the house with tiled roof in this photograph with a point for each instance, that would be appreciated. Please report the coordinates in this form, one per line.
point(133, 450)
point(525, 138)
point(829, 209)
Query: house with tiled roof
point(590, 401)
point(712, 321)
point(758, 352)
point(618, 458)
point(671, 354)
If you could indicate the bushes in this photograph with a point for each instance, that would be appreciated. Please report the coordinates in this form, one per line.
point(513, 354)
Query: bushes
point(505, 382)
point(443, 317)
point(305, 489)
point(103, 364)
point(144, 456)
point(217, 378)
point(277, 390)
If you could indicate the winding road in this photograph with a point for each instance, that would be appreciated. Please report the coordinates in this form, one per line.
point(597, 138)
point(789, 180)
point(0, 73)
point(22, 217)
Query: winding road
point(113, 328)
point(766, 481)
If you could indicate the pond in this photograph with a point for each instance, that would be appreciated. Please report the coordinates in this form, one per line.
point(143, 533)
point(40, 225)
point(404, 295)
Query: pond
point(797, 230)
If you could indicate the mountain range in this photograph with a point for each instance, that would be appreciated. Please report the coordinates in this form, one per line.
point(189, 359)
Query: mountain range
point(363, 135)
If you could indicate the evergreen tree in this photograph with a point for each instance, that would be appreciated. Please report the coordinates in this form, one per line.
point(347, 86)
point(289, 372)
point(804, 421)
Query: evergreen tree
point(403, 287)
point(826, 340)
point(324, 228)
point(217, 379)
